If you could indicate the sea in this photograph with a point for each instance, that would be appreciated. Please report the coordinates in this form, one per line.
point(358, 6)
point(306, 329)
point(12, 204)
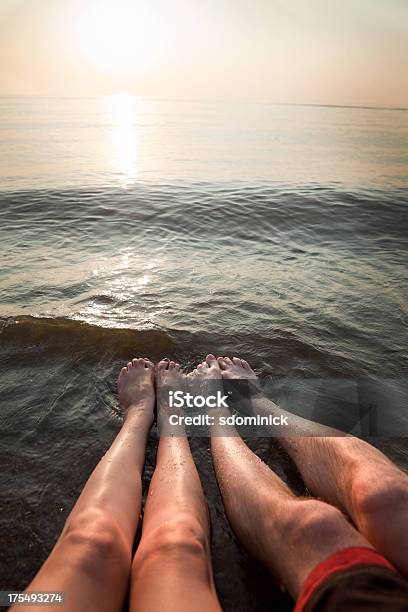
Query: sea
point(164, 228)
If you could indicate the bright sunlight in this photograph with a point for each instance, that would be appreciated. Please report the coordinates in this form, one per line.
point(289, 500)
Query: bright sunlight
point(121, 36)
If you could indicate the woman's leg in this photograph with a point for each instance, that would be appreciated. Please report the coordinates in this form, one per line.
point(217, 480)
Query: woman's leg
point(92, 558)
point(172, 567)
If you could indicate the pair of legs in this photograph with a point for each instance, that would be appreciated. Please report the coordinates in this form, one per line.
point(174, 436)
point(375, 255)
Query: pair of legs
point(92, 559)
point(291, 535)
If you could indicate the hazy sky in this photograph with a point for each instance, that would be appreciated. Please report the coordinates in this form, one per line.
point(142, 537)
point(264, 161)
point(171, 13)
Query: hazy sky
point(302, 51)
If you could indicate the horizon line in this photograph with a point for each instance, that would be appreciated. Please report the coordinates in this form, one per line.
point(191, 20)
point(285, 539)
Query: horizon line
point(207, 100)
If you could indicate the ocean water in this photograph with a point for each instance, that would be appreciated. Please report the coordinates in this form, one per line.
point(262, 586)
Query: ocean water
point(159, 228)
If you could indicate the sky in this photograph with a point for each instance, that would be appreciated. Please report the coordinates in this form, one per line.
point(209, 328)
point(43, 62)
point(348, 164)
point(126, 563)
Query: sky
point(346, 52)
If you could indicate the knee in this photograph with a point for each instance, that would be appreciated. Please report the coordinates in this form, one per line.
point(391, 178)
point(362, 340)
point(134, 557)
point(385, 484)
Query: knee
point(94, 539)
point(181, 539)
point(312, 521)
point(376, 502)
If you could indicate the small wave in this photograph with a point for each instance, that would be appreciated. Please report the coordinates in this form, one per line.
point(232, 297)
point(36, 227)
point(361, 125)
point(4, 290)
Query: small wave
point(24, 337)
point(245, 212)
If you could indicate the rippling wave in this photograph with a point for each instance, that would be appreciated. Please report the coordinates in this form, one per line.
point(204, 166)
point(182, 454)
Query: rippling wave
point(322, 266)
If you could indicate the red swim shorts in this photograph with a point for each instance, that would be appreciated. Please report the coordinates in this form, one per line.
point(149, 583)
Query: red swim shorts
point(354, 580)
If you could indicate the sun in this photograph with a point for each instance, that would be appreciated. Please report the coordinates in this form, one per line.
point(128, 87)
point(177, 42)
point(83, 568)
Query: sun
point(120, 36)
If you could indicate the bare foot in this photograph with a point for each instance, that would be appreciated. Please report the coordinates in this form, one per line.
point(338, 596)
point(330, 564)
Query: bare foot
point(208, 370)
point(206, 379)
point(241, 382)
point(169, 379)
point(236, 368)
point(239, 369)
point(206, 376)
point(136, 387)
point(169, 373)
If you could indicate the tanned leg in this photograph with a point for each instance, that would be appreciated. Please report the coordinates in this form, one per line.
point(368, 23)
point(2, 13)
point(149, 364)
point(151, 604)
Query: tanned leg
point(172, 567)
point(91, 560)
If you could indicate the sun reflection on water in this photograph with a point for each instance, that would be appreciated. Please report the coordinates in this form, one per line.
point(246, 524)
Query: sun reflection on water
point(124, 282)
point(123, 112)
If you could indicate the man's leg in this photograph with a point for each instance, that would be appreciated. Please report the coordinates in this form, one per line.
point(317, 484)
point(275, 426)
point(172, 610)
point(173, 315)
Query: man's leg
point(92, 558)
point(347, 472)
point(358, 478)
point(289, 535)
point(172, 566)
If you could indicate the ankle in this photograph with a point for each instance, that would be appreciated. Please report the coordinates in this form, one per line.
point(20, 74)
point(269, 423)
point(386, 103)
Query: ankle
point(140, 411)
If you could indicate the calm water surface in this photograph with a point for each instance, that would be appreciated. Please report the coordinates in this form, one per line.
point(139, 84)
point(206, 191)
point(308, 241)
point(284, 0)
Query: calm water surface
point(161, 228)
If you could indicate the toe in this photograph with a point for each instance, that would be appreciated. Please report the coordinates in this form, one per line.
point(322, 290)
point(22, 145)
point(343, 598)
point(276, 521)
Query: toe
point(200, 366)
point(211, 360)
point(123, 372)
point(237, 361)
point(149, 364)
point(221, 363)
point(227, 360)
point(177, 367)
point(172, 365)
point(163, 364)
point(246, 364)
point(130, 365)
